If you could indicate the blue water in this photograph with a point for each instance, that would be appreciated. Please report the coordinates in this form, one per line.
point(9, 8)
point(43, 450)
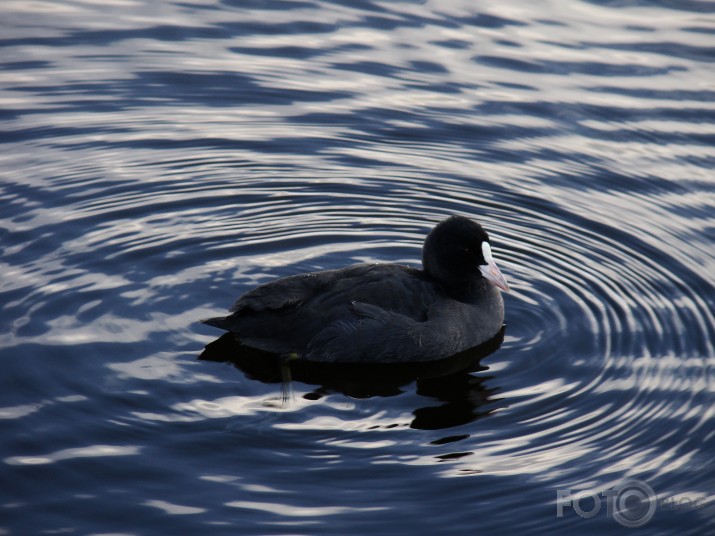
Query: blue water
point(160, 158)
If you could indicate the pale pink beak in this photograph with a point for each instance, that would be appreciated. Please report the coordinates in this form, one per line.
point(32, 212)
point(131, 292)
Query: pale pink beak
point(493, 274)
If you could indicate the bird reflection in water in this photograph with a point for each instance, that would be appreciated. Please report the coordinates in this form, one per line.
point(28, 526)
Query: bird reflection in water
point(463, 397)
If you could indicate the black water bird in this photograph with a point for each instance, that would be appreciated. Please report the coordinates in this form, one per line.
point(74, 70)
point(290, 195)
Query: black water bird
point(381, 313)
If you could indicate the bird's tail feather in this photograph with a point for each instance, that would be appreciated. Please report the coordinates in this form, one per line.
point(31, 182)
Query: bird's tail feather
point(217, 322)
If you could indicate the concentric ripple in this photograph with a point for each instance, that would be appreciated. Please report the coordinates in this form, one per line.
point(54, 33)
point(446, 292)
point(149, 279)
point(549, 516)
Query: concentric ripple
point(619, 319)
point(160, 158)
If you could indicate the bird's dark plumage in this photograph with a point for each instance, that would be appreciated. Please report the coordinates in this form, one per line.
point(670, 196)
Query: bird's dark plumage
point(381, 312)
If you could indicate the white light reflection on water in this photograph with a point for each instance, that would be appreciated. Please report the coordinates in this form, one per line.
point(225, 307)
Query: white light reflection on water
point(93, 451)
point(174, 509)
point(297, 511)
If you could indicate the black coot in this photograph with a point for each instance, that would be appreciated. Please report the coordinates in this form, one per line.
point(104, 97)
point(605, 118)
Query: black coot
point(381, 313)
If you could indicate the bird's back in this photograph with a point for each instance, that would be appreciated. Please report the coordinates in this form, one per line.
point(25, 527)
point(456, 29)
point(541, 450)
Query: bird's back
point(285, 315)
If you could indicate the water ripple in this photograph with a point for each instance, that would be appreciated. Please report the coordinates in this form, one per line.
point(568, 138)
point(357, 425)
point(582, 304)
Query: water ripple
point(160, 159)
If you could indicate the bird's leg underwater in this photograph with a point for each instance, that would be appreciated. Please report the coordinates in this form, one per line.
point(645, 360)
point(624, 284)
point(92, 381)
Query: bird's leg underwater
point(287, 378)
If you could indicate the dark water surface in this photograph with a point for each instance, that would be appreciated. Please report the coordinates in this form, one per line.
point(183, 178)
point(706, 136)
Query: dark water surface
point(160, 158)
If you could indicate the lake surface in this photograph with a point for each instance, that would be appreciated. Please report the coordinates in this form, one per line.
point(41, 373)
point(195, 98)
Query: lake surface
point(161, 158)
